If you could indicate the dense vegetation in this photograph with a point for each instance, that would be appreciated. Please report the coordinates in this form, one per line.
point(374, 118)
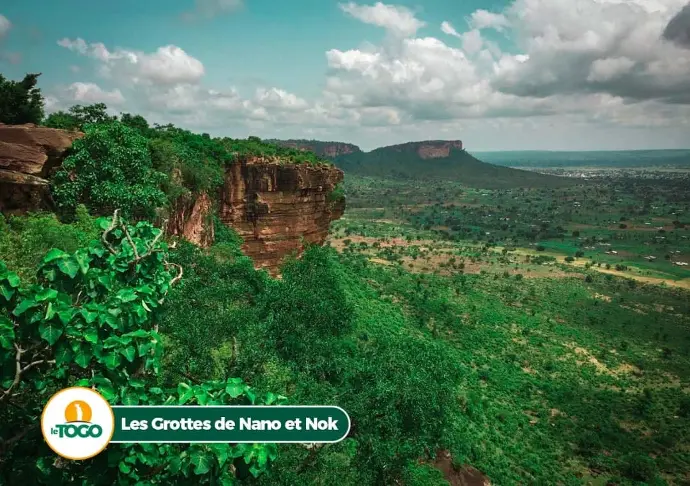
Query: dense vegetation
point(20, 101)
point(494, 327)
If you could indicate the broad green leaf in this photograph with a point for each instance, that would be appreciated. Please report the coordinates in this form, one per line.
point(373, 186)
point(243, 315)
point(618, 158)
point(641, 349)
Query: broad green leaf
point(112, 360)
point(6, 333)
point(50, 331)
point(129, 352)
point(24, 306)
point(130, 398)
point(13, 279)
point(66, 316)
point(45, 294)
point(255, 470)
point(91, 335)
point(83, 261)
point(124, 468)
point(174, 464)
point(201, 461)
point(68, 266)
point(222, 452)
point(127, 295)
point(107, 391)
point(63, 353)
point(89, 316)
point(53, 254)
point(82, 355)
point(6, 291)
point(262, 457)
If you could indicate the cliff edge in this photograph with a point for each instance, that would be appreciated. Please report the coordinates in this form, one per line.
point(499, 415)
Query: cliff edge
point(277, 208)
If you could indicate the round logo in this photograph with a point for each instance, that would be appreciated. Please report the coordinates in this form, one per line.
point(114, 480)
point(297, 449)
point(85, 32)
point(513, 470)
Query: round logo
point(77, 423)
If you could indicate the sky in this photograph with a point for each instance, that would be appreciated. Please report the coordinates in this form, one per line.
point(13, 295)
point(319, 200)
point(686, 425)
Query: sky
point(498, 75)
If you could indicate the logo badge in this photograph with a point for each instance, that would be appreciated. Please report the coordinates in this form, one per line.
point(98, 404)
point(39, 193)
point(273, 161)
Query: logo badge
point(77, 423)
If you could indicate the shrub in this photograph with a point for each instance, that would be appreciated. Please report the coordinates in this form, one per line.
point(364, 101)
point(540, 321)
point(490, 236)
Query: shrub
point(109, 168)
point(639, 467)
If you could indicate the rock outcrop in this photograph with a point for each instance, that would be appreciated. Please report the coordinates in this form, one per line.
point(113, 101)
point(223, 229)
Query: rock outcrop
point(432, 149)
point(278, 209)
point(28, 155)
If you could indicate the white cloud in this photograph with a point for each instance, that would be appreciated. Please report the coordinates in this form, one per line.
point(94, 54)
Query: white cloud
point(88, 93)
point(576, 70)
point(483, 19)
point(167, 65)
point(447, 28)
point(396, 19)
point(609, 68)
point(5, 26)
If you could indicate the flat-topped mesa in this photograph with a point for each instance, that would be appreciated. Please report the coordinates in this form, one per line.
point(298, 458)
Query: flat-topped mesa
point(431, 149)
point(329, 150)
point(28, 154)
point(279, 208)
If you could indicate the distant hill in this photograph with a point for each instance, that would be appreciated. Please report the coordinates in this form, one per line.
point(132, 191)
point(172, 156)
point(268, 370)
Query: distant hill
point(617, 158)
point(328, 150)
point(433, 159)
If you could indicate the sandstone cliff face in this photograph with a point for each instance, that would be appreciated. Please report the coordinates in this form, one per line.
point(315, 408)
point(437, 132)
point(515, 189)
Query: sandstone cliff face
point(432, 149)
point(28, 154)
point(279, 209)
point(276, 208)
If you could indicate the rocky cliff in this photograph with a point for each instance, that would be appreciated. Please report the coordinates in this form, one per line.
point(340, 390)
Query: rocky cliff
point(28, 154)
point(276, 208)
point(431, 149)
point(329, 150)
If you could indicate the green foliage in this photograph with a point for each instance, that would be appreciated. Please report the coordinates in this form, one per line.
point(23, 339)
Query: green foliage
point(20, 101)
point(78, 117)
point(195, 163)
point(308, 312)
point(110, 167)
point(423, 475)
point(91, 320)
point(25, 239)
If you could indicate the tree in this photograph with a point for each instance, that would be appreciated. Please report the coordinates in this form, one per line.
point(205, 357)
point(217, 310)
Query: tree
point(79, 116)
point(92, 320)
point(21, 101)
point(137, 122)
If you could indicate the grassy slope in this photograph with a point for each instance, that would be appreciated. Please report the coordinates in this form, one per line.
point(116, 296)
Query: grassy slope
point(459, 166)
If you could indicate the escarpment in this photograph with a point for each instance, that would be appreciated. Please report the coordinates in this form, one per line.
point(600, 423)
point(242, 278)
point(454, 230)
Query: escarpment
point(279, 209)
point(28, 154)
point(276, 207)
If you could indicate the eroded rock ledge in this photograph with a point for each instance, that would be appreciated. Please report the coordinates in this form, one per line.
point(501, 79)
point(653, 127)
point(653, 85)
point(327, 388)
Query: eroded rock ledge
point(28, 154)
point(276, 208)
point(279, 209)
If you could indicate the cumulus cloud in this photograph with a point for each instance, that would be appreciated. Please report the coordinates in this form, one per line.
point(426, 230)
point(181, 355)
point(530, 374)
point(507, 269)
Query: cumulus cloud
point(678, 28)
point(572, 65)
point(595, 46)
point(396, 19)
point(167, 65)
point(483, 19)
point(88, 93)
